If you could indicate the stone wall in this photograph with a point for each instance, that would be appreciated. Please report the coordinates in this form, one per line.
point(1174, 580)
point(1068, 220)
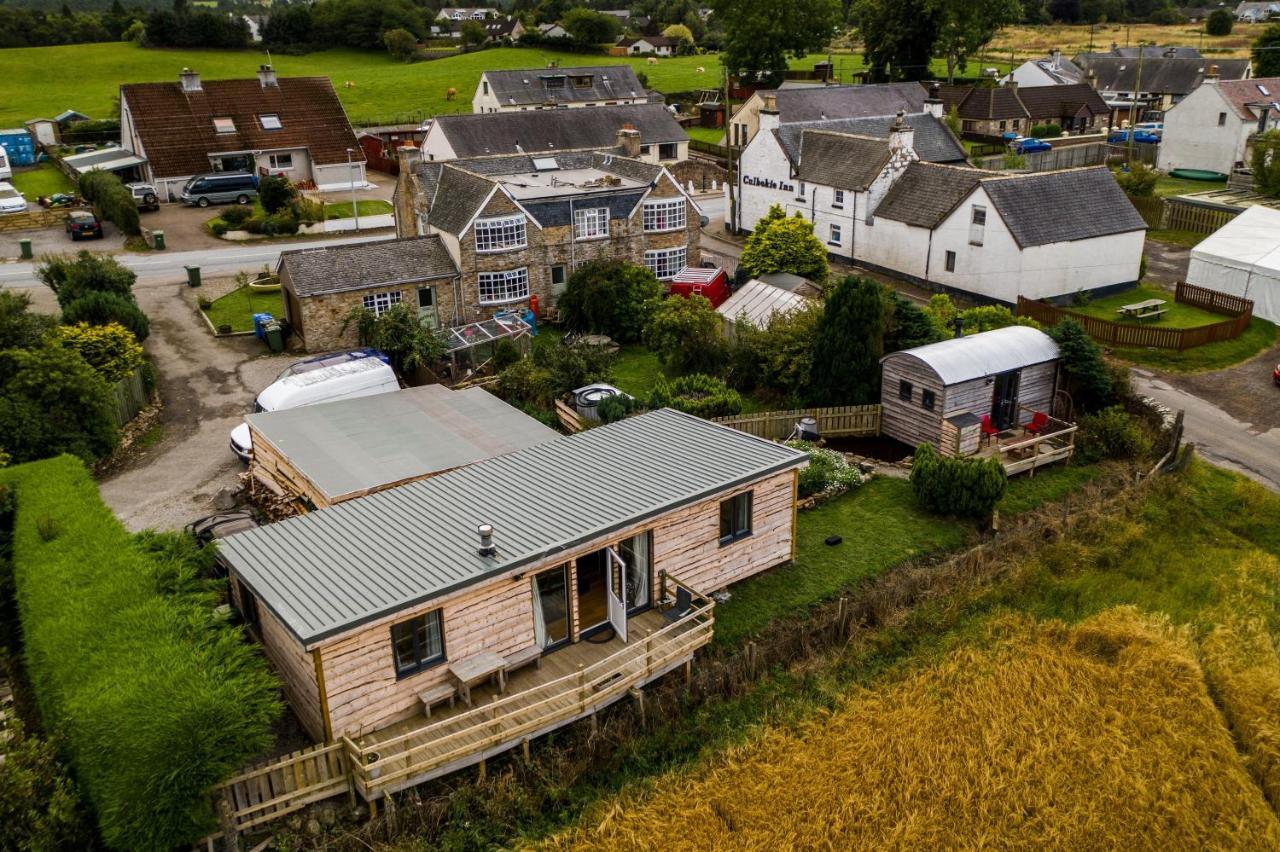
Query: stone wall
point(323, 316)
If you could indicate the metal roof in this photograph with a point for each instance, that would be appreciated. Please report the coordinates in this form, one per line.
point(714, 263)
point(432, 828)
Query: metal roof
point(328, 571)
point(758, 302)
point(107, 159)
point(360, 444)
point(987, 353)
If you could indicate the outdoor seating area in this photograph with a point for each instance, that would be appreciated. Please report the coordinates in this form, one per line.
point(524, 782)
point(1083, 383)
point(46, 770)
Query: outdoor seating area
point(1146, 309)
point(1039, 441)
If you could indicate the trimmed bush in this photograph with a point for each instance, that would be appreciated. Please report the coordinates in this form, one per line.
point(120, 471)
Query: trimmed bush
point(283, 222)
point(112, 200)
point(158, 699)
point(275, 193)
point(614, 408)
point(829, 472)
point(110, 349)
point(965, 488)
point(685, 334)
point(235, 216)
point(610, 297)
point(1112, 433)
point(104, 308)
point(697, 394)
point(52, 402)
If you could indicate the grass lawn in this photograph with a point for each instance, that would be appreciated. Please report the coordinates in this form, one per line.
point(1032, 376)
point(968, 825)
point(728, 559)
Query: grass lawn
point(1186, 239)
point(713, 135)
point(1166, 185)
point(368, 207)
point(1212, 356)
point(238, 307)
point(1177, 316)
point(44, 179)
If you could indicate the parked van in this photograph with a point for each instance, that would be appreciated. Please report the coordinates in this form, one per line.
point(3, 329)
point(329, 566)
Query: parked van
point(6, 170)
point(220, 188)
point(327, 378)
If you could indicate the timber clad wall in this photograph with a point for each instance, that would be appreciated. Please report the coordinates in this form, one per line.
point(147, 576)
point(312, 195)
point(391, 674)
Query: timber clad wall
point(909, 421)
point(295, 666)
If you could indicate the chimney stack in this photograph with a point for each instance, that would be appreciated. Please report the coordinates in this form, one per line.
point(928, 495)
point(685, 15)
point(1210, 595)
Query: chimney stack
point(1012, 85)
point(1055, 59)
point(407, 156)
point(769, 112)
point(628, 141)
point(190, 80)
point(267, 77)
point(487, 547)
point(1211, 74)
point(933, 103)
point(902, 136)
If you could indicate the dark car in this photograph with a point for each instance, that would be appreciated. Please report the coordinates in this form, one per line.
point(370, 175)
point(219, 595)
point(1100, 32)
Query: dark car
point(221, 525)
point(83, 223)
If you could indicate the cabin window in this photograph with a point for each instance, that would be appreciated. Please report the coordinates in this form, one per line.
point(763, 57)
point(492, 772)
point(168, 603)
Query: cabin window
point(904, 390)
point(551, 607)
point(417, 643)
point(834, 237)
point(927, 399)
point(951, 261)
point(838, 199)
point(380, 303)
point(249, 608)
point(1222, 119)
point(508, 232)
point(735, 518)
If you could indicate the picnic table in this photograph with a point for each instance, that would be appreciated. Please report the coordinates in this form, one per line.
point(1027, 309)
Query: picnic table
point(476, 669)
point(1142, 310)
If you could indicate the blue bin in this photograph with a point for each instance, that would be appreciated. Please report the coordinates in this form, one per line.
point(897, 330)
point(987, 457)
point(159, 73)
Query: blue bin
point(527, 316)
point(259, 325)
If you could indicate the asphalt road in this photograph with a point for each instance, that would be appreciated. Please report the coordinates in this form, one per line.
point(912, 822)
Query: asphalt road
point(1251, 449)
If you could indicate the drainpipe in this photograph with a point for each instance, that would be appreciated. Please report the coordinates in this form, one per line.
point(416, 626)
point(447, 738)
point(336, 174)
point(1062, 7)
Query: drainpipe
point(928, 257)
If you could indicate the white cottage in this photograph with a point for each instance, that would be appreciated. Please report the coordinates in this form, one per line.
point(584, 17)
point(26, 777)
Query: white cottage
point(1210, 128)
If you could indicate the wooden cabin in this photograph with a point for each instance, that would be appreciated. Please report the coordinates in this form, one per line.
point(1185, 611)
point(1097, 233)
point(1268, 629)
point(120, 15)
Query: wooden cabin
point(320, 455)
point(445, 620)
point(939, 394)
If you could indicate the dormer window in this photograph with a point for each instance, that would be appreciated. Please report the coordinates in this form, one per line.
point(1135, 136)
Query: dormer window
point(582, 82)
point(270, 121)
point(224, 125)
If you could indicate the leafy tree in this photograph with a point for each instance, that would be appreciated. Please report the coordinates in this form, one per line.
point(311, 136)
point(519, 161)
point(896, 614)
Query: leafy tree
point(782, 244)
point(848, 345)
point(472, 33)
point(400, 43)
point(777, 359)
point(289, 25)
point(1139, 180)
point(551, 371)
point(610, 297)
point(19, 328)
point(101, 308)
point(1265, 161)
point(679, 31)
point(1085, 372)
point(1266, 52)
point(966, 26)
point(759, 35)
point(275, 193)
point(52, 402)
point(588, 28)
point(898, 38)
point(110, 349)
point(399, 333)
point(1219, 23)
point(685, 335)
point(40, 806)
point(71, 278)
point(907, 325)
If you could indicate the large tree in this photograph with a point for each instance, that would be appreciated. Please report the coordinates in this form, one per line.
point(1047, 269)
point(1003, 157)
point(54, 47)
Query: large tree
point(52, 402)
point(588, 28)
point(848, 345)
point(782, 244)
point(898, 37)
point(966, 26)
point(759, 35)
point(1266, 53)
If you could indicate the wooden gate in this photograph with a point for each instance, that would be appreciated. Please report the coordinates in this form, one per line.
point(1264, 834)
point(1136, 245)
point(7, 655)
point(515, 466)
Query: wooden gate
point(268, 792)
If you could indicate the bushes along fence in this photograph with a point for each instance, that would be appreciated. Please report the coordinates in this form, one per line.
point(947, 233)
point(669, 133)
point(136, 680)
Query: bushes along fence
point(114, 202)
point(157, 698)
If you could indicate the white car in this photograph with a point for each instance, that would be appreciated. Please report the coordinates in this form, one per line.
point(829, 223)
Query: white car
point(6, 170)
point(11, 201)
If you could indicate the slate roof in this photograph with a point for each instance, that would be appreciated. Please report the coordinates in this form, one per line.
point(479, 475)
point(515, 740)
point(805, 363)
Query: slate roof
point(556, 130)
point(828, 102)
point(983, 103)
point(528, 86)
point(926, 193)
point(1165, 76)
point(177, 132)
point(1238, 93)
point(841, 160)
point(1049, 102)
point(1063, 70)
point(328, 571)
point(1056, 207)
point(360, 266)
point(1154, 51)
point(453, 196)
point(932, 140)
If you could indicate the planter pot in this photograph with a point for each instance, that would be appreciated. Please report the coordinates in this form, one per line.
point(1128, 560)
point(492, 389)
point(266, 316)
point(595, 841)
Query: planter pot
point(264, 286)
point(224, 329)
point(373, 757)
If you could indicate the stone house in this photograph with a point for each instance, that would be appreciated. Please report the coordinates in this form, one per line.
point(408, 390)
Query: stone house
point(322, 285)
point(987, 112)
point(517, 226)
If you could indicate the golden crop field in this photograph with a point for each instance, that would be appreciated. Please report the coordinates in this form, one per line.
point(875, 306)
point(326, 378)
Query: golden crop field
point(1101, 735)
point(1025, 42)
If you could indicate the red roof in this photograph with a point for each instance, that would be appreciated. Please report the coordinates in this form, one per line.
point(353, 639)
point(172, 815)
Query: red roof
point(1241, 92)
point(178, 134)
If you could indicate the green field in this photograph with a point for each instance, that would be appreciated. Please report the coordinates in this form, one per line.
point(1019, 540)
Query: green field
point(237, 308)
point(368, 207)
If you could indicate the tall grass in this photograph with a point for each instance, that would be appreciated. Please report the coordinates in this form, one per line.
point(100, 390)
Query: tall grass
point(156, 699)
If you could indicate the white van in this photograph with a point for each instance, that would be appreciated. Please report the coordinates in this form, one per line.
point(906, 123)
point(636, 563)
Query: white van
point(6, 170)
point(317, 380)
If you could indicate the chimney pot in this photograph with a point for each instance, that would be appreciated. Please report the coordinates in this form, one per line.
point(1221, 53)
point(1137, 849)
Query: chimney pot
point(190, 80)
point(487, 547)
point(628, 140)
point(1212, 73)
point(771, 103)
point(267, 76)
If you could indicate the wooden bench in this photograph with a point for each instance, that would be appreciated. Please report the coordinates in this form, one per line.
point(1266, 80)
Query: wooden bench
point(523, 657)
point(433, 696)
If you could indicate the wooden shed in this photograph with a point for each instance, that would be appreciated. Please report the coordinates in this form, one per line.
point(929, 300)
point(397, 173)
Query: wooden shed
point(940, 393)
point(431, 625)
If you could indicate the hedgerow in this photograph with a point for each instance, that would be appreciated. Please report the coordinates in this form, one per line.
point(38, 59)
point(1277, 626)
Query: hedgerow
point(114, 201)
point(158, 699)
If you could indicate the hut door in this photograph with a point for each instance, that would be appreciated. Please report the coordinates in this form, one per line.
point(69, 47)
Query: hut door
point(617, 586)
point(1004, 401)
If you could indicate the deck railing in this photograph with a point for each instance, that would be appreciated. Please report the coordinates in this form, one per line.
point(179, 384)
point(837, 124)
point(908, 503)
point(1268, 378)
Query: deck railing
point(398, 762)
point(1055, 444)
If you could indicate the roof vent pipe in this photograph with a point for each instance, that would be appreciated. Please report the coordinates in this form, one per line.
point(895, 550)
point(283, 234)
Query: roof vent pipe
point(487, 547)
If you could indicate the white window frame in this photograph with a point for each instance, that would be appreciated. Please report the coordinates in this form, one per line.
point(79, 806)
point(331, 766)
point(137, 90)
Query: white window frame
point(838, 199)
point(591, 223)
point(977, 229)
point(228, 127)
point(501, 233)
point(380, 303)
point(273, 118)
point(664, 214)
point(659, 261)
point(834, 235)
point(276, 161)
point(504, 287)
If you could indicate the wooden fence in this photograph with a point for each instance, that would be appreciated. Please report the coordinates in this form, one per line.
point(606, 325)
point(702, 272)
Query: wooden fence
point(1150, 208)
point(1135, 335)
point(130, 397)
point(37, 218)
point(272, 790)
point(1180, 215)
point(837, 422)
point(1072, 157)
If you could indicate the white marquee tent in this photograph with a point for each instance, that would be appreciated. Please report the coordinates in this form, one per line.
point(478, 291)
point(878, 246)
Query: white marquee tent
point(1243, 258)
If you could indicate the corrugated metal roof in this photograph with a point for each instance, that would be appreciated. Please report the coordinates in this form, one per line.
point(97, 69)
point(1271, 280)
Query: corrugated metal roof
point(758, 302)
point(987, 353)
point(331, 570)
point(358, 444)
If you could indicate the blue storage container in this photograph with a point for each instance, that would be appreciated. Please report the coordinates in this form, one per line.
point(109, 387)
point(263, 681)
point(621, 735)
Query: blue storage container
point(259, 325)
point(19, 145)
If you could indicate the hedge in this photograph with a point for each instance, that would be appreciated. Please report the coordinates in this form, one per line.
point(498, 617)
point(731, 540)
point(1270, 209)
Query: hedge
point(156, 698)
point(114, 201)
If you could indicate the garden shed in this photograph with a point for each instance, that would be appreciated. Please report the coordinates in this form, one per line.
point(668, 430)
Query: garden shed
point(945, 393)
point(756, 303)
point(1243, 258)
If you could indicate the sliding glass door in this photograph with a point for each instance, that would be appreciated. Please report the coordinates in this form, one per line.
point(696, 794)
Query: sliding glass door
point(551, 607)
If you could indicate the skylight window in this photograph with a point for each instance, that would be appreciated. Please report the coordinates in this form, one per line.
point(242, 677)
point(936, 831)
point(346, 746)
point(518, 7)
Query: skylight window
point(545, 164)
point(1263, 89)
point(270, 121)
point(224, 125)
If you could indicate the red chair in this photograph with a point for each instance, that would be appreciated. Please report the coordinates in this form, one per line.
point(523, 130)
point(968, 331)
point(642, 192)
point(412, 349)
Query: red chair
point(1039, 423)
point(988, 428)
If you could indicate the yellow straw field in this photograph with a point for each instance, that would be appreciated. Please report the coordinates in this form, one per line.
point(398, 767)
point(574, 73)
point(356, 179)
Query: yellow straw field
point(1101, 735)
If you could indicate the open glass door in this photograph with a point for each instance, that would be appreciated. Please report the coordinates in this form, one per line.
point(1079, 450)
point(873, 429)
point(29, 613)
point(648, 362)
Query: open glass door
point(551, 607)
point(617, 593)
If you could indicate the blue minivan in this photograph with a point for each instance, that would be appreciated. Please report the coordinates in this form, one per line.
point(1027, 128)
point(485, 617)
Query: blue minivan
point(220, 188)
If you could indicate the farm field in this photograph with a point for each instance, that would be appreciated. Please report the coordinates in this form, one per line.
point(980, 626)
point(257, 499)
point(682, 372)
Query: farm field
point(1034, 41)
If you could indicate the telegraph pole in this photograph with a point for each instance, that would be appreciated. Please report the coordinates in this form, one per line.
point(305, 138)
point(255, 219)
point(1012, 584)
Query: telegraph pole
point(1133, 104)
point(731, 221)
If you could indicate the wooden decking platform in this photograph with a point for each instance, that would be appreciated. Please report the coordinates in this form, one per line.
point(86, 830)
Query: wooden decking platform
point(1021, 450)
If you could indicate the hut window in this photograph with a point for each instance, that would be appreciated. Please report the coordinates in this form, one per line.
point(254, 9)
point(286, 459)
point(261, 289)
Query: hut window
point(417, 643)
point(735, 518)
point(927, 399)
point(904, 390)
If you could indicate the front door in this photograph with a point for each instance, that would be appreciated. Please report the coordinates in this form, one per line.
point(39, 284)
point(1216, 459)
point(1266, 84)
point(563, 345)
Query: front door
point(593, 598)
point(1004, 400)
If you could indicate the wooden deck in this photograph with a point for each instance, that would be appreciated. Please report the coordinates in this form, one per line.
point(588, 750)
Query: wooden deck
point(572, 683)
point(1020, 450)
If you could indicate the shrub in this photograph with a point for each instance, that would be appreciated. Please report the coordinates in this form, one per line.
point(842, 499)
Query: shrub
point(1045, 131)
point(828, 471)
point(610, 297)
point(684, 332)
point(400, 43)
point(1138, 180)
point(777, 358)
point(235, 216)
point(552, 371)
point(1111, 433)
point(697, 394)
point(70, 278)
point(158, 698)
point(110, 349)
point(399, 333)
point(848, 344)
point(785, 244)
point(275, 193)
point(105, 308)
point(218, 227)
point(1219, 23)
point(614, 408)
point(1086, 376)
point(113, 201)
point(52, 402)
point(1167, 17)
point(505, 353)
point(254, 224)
point(280, 222)
point(308, 210)
point(19, 327)
point(40, 807)
point(966, 488)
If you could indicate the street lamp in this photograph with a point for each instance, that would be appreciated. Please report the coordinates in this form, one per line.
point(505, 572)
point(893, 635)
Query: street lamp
point(351, 174)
